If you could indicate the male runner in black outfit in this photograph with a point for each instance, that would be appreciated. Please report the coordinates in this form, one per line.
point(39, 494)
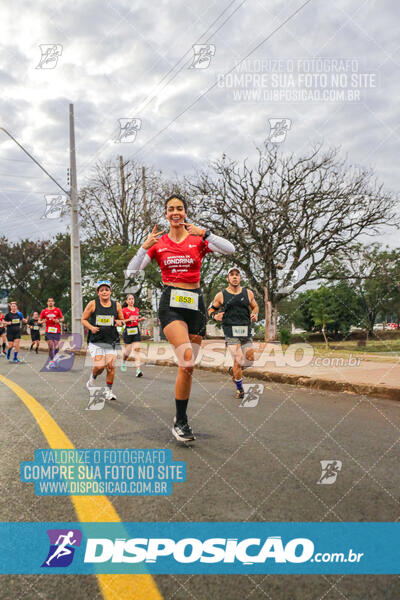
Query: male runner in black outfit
point(239, 309)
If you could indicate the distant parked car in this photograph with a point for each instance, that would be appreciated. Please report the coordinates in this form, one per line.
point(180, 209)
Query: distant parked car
point(378, 326)
point(393, 325)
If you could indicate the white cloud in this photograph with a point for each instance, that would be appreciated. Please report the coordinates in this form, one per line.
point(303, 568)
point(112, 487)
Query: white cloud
point(115, 53)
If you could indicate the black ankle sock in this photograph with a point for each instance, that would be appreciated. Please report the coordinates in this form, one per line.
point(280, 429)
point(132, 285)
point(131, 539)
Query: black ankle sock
point(181, 407)
point(4, 346)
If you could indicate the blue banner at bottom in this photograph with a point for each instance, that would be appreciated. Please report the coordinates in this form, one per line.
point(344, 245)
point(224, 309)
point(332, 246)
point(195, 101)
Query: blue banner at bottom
point(194, 548)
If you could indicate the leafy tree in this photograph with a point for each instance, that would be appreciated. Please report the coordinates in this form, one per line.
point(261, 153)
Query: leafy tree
point(322, 309)
point(373, 273)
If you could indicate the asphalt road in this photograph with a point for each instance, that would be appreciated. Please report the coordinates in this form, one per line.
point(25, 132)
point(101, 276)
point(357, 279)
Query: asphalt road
point(259, 462)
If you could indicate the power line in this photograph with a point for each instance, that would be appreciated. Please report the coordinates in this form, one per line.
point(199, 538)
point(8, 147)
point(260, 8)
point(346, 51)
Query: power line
point(225, 74)
point(150, 98)
point(21, 176)
point(28, 161)
point(2, 190)
point(140, 111)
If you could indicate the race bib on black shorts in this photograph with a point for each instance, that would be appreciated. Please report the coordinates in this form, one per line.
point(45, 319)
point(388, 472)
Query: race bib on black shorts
point(132, 330)
point(240, 331)
point(184, 299)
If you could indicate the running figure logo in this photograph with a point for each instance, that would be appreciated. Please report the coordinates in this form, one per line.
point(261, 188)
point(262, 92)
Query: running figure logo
point(55, 205)
point(128, 129)
point(202, 56)
point(278, 130)
point(50, 55)
point(97, 398)
point(287, 277)
point(65, 357)
point(252, 393)
point(62, 547)
point(131, 287)
point(330, 470)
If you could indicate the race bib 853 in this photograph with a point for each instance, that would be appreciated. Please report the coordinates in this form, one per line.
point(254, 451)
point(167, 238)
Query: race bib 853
point(184, 299)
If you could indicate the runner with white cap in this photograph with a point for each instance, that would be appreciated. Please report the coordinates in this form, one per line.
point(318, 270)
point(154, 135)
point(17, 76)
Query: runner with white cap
point(101, 317)
point(238, 309)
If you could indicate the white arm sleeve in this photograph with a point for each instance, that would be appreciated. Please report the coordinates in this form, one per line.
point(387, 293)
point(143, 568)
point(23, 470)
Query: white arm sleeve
point(138, 262)
point(220, 244)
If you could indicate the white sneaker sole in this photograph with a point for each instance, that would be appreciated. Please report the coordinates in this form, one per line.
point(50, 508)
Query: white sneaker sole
point(180, 438)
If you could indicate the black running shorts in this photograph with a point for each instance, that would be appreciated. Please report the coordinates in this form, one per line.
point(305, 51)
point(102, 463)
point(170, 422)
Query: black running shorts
point(13, 334)
point(54, 337)
point(35, 335)
point(195, 319)
point(130, 339)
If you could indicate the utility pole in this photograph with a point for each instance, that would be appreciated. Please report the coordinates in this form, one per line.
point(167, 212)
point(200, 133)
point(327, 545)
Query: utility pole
point(146, 224)
point(125, 236)
point(76, 277)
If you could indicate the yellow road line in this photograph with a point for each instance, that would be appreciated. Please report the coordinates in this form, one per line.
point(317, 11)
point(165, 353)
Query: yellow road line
point(94, 509)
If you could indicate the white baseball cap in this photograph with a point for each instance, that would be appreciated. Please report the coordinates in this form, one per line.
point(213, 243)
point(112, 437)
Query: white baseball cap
point(234, 269)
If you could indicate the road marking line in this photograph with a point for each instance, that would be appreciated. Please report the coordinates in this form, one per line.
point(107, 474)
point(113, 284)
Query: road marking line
point(94, 509)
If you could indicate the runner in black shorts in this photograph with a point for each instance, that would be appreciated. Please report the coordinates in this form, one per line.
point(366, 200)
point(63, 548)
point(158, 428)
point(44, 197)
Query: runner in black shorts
point(182, 311)
point(3, 336)
point(34, 328)
point(13, 320)
point(131, 333)
point(239, 309)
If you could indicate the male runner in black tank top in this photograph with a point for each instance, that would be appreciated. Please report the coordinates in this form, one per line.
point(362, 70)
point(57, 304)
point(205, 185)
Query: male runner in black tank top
point(101, 317)
point(239, 309)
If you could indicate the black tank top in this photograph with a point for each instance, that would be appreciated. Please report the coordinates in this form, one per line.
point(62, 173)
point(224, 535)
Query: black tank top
point(104, 318)
point(236, 309)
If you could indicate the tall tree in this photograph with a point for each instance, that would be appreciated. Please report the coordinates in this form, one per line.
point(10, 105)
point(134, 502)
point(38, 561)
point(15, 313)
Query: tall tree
point(287, 215)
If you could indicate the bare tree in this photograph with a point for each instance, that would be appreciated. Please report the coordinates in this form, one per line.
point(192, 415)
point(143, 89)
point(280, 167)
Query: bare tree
point(116, 207)
point(287, 215)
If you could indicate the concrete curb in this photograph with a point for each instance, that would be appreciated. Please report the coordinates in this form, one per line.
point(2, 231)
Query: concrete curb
point(379, 391)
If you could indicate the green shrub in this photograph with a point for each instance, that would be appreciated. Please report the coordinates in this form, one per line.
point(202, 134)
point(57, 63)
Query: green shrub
point(285, 336)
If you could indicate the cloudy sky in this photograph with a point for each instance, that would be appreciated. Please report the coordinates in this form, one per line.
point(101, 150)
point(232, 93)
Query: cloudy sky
point(330, 73)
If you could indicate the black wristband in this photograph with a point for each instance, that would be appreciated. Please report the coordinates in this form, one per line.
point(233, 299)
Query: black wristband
point(206, 234)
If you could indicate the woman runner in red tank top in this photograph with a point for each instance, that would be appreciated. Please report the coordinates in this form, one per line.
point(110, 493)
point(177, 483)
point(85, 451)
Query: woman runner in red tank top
point(131, 335)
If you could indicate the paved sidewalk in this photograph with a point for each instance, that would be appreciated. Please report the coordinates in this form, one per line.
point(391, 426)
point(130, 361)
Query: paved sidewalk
point(297, 365)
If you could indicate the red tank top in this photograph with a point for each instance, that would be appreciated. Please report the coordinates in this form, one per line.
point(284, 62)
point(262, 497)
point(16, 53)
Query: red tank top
point(131, 316)
point(180, 263)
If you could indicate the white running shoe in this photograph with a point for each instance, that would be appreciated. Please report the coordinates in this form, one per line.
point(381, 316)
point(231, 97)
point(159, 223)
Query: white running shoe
point(182, 431)
point(110, 395)
point(90, 383)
